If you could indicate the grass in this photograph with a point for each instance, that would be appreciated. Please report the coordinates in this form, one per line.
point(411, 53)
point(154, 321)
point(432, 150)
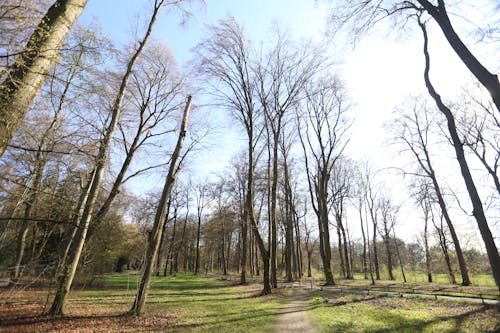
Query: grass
point(188, 303)
point(180, 304)
point(350, 313)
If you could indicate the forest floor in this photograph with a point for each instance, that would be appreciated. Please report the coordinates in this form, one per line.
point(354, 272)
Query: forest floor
point(189, 303)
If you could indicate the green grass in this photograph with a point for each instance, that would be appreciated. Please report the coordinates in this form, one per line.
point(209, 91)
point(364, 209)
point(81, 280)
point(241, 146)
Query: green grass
point(188, 303)
point(392, 314)
point(185, 303)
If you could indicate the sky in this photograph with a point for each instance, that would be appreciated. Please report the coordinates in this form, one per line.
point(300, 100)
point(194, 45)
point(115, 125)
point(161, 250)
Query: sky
point(380, 71)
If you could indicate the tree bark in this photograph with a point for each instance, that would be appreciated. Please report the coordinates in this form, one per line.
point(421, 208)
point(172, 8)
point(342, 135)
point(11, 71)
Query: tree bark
point(30, 68)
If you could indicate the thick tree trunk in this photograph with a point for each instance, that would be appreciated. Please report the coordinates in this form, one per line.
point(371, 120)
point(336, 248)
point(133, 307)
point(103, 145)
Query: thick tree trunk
point(477, 206)
point(272, 214)
point(30, 68)
point(250, 215)
point(161, 212)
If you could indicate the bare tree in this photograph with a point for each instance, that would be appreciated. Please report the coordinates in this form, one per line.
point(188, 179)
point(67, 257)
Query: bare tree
point(224, 59)
point(414, 130)
point(156, 232)
point(67, 274)
point(477, 205)
point(282, 74)
point(322, 129)
point(341, 190)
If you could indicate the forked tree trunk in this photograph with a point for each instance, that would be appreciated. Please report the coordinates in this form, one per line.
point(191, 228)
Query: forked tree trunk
point(30, 68)
point(161, 212)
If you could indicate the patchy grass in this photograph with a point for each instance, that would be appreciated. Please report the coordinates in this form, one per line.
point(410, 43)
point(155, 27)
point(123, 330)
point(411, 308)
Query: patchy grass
point(333, 313)
point(179, 304)
point(490, 292)
point(189, 303)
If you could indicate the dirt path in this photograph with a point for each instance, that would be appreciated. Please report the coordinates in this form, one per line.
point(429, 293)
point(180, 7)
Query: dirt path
point(294, 317)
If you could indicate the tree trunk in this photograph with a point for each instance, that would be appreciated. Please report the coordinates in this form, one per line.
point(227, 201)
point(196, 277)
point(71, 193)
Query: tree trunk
point(345, 249)
point(477, 206)
point(427, 252)
point(243, 255)
point(487, 79)
point(401, 266)
point(156, 232)
point(162, 242)
point(198, 234)
point(369, 254)
point(365, 257)
point(444, 247)
point(30, 68)
point(375, 253)
point(68, 273)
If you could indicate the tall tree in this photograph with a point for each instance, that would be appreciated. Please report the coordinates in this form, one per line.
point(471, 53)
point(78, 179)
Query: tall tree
point(413, 129)
point(285, 70)
point(477, 205)
point(322, 129)
point(156, 232)
point(67, 274)
point(28, 72)
point(225, 60)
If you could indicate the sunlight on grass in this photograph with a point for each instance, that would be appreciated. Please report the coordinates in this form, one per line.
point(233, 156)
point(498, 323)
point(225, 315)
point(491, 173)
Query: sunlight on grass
point(198, 304)
point(393, 314)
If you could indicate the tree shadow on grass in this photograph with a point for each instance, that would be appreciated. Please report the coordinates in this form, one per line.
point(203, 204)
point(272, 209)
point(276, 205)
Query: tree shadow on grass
point(398, 322)
point(413, 325)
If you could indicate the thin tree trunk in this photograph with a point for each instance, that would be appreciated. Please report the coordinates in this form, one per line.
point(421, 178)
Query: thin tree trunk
point(426, 245)
point(156, 232)
point(369, 252)
point(399, 256)
point(341, 254)
point(365, 257)
point(243, 255)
